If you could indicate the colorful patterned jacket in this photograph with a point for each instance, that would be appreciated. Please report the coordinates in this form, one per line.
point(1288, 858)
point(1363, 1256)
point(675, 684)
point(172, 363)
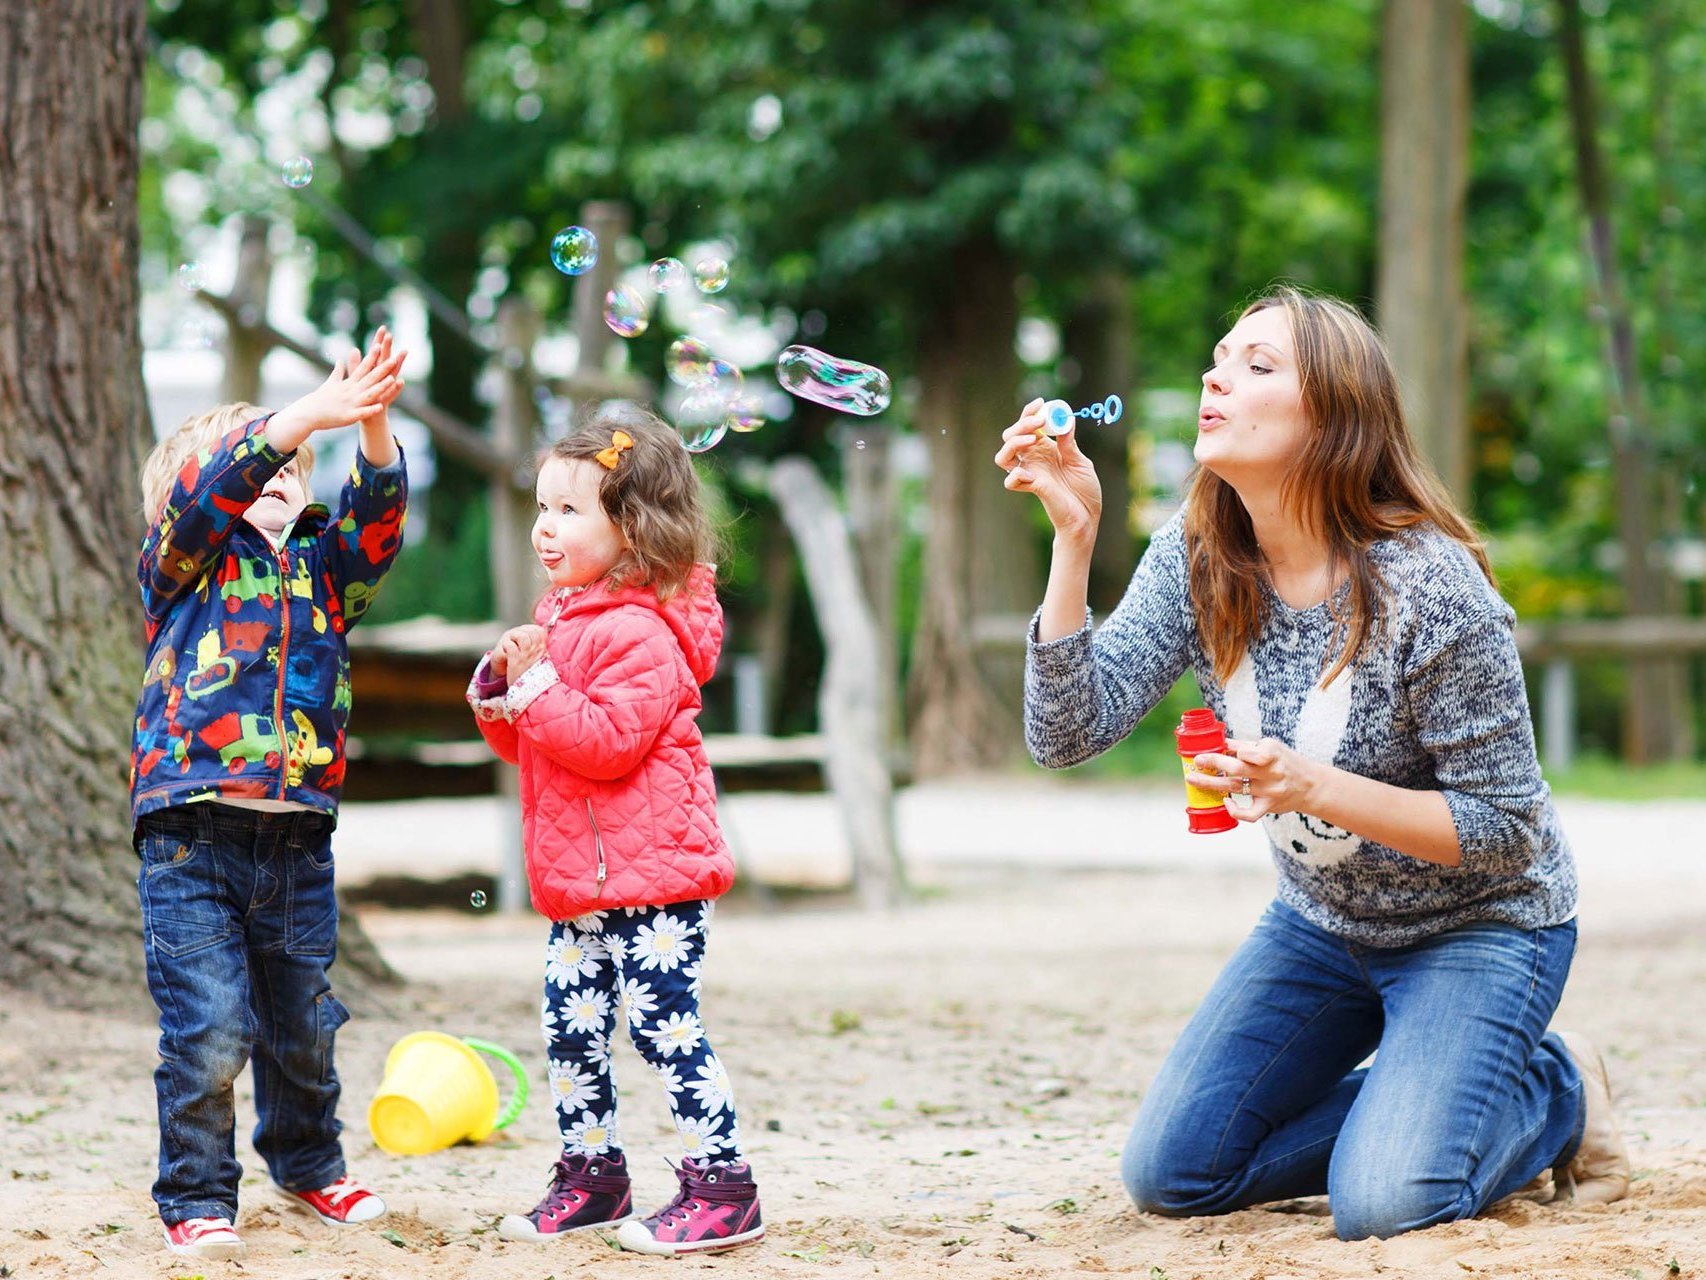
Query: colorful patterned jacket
point(247, 692)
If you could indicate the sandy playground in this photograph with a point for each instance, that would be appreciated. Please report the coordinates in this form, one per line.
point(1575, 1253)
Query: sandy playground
point(938, 1092)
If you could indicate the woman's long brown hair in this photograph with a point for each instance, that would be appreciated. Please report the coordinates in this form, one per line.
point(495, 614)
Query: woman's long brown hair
point(1357, 479)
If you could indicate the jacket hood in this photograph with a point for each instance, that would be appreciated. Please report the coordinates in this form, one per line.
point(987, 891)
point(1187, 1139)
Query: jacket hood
point(693, 614)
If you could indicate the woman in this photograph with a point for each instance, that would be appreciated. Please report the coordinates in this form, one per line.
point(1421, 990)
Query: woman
point(1340, 616)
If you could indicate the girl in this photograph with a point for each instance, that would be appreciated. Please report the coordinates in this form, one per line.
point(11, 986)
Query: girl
point(1340, 614)
point(597, 703)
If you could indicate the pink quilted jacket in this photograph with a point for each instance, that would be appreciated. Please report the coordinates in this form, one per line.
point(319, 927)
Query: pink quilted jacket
point(617, 803)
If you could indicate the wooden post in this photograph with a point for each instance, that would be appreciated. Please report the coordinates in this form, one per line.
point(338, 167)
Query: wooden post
point(851, 697)
point(1424, 167)
point(245, 345)
point(608, 220)
point(515, 578)
point(1558, 715)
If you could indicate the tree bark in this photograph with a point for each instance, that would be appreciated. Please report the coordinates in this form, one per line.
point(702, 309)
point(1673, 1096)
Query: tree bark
point(980, 560)
point(72, 419)
point(1649, 709)
point(73, 424)
point(1424, 174)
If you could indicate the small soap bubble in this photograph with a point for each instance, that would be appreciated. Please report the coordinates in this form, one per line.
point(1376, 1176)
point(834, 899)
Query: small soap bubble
point(702, 417)
point(858, 444)
point(711, 274)
point(728, 380)
point(201, 332)
point(626, 311)
point(477, 899)
point(839, 384)
point(689, 362)
point(190, 278)
point(667, 274)
point(298, 172)
point(746, 413)
point(574, 250)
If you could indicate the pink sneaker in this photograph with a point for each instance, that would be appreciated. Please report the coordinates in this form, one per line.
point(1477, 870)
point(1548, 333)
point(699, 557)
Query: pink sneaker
point(585, 1192)
point(716, 1208)
point(204, 1238)
point(345, 1202)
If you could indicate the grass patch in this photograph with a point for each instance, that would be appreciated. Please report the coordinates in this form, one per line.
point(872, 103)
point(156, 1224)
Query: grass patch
point(1604, 778)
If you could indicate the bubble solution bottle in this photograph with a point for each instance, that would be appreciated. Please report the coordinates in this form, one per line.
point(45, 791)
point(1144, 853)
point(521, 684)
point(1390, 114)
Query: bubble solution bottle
point(1205, 811)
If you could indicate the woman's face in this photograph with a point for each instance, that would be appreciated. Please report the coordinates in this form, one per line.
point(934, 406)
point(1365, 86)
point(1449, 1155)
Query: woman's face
point(1250, 424)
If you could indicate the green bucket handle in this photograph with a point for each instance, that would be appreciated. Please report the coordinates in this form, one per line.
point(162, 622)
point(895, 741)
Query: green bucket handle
point(518, 1099)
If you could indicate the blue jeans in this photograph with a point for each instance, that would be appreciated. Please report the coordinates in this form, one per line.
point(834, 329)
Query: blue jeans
point(1261, 1099)
point(239, 924)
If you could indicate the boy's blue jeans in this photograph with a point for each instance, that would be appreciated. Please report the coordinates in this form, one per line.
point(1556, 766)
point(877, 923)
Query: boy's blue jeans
point(1465, 1102)
point(239, 924)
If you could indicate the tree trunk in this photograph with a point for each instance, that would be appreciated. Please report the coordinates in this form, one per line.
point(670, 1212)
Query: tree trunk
point(450, 260)
point(73, 422)
point(979, 554)
point(853, 698)
point(72, 418)
point(1424, 167)
point(1649, 710)
point(1100, 337)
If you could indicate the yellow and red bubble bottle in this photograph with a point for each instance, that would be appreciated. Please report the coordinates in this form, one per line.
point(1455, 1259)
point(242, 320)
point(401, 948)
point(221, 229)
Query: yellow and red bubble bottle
point(1205, 811)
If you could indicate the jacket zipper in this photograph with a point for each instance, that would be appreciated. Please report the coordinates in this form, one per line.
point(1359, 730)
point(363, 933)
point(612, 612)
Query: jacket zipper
point(598, 842)
point(283, 666)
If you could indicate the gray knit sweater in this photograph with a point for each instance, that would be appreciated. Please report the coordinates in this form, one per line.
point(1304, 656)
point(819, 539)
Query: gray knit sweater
point(1434, 702)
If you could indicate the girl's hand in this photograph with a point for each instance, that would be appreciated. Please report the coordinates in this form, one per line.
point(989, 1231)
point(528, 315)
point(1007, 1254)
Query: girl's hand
point(521, 648)
point(1055, 470)
point(1281, 780)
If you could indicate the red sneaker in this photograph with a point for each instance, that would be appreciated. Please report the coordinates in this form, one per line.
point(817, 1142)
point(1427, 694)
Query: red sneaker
point(345, 1201)
point(204, 1238)
point(716, 1208)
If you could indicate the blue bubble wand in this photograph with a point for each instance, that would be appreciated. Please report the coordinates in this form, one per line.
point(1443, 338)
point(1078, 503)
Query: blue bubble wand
point(1058, 415)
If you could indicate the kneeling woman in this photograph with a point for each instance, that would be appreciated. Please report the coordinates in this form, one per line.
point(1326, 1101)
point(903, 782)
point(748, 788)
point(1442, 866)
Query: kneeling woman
point(1340, 616)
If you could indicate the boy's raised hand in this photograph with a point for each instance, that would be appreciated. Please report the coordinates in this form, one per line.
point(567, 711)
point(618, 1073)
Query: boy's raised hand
point(358, 388)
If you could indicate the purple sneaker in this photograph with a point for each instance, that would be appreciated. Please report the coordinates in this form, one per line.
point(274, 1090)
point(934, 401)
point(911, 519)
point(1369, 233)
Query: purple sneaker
point(585, 1192)
point(716, 1208)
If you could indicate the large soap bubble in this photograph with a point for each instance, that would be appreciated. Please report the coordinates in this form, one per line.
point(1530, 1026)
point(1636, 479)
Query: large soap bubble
point(845, 385)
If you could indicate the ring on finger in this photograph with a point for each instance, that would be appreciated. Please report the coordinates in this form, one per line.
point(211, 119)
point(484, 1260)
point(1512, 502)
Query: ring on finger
point(1244, 787)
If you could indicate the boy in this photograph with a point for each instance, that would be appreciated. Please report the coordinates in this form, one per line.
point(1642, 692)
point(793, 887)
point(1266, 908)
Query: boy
point(236, 769)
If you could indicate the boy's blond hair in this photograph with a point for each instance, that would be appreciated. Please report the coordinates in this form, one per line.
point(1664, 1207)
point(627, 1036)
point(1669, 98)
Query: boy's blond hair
point(160, 468)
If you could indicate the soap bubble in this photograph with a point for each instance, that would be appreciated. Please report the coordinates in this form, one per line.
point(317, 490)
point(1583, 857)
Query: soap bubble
point(689, 362)
point(298, 172)
point(190, 278)
point(701, 417)
point(477, 899)
point(626, 311)
point(728, 380)
point(823, 379)
point(574, 250)
point(666, 274)
point(746, 413)
point(711, 274)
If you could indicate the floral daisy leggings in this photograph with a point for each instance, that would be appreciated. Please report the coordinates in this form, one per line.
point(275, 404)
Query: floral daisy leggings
point(638, 965)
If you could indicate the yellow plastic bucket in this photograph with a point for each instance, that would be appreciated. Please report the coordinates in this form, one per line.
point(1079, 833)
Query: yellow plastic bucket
point(437, 1093)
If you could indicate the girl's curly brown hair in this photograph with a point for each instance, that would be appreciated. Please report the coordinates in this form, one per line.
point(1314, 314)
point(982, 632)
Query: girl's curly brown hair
point(652, 495)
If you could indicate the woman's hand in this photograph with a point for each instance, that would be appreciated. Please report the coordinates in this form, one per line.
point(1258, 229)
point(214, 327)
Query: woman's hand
point(1280, 779)
point(1055, 470)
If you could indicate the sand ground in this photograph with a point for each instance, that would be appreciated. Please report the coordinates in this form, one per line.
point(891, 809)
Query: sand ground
point(939, 1091)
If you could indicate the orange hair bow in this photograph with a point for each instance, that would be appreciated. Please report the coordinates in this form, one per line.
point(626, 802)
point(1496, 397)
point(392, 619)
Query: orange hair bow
point(620, 443)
